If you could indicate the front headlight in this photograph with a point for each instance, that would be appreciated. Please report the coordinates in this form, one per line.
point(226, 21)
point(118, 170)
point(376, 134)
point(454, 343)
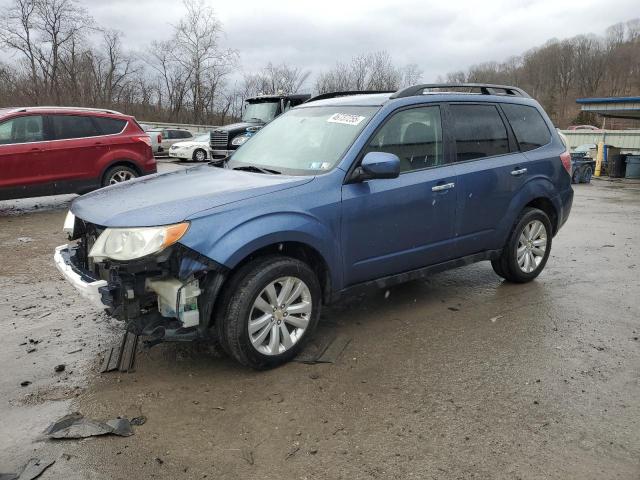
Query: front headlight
point(239, 140)
point(131, 243)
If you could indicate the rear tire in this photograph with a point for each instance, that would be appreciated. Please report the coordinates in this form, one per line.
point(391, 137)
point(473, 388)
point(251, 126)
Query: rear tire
point(575, 178)
point(527, 250)
point(118, 174)
point(251, 325)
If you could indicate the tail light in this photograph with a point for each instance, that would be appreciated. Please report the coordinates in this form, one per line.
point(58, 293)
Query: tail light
point(145, 139)
point(159, 138)
point(565, 158)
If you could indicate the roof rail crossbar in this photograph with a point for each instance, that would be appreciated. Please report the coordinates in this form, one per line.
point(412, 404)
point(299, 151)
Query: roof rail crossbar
point(324, 96)
point(484, 88)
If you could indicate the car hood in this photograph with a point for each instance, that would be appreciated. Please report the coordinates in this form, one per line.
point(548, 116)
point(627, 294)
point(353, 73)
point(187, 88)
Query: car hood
point(238, 127)
point(174, 197)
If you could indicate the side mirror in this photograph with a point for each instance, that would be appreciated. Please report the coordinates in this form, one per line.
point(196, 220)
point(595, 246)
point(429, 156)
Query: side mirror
point(377, 165)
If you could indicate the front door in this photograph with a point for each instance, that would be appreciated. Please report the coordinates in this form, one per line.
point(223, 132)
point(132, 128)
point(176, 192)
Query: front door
point(391, 226)
point(24, 170)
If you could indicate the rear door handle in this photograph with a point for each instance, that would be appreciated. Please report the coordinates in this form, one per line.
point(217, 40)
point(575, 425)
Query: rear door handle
point(443, 187)
point(518, 172)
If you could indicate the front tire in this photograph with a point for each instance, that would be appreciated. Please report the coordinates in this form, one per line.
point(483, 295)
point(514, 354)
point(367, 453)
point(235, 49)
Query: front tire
point(271, 308)
point(527, 250)
point(199, 155)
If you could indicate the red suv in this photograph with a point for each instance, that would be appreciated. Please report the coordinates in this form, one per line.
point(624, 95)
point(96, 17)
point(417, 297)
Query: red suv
point(54, 150)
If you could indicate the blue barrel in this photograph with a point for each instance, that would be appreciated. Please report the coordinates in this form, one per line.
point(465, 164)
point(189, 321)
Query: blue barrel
point(633, 166)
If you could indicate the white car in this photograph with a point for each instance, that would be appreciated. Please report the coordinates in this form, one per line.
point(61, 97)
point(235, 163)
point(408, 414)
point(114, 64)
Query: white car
point(196, 149)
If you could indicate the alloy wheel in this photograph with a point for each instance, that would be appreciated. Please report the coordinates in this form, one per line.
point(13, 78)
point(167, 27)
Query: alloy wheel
point(532, 246)
point(120, 176)
point(200, 156)
point(280, 315)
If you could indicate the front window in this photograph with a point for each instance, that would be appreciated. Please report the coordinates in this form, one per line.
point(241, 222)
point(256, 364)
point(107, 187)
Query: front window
point(304, 140)
point(25, 129)
point(414, 135)
point(261, 111)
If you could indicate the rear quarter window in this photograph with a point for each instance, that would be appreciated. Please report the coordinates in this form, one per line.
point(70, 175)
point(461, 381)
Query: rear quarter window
point(110, 126)
point(529, 127)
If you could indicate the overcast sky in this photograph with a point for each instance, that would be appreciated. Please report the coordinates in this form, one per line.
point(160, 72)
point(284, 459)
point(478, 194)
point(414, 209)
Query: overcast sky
point(439, 36)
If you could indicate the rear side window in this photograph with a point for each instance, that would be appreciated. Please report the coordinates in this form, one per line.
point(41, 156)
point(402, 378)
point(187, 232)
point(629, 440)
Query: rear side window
point(528, 126)
point(479, 132)
point(110, 126)
point(72, 126)
point(184, 134)
point(25, 129)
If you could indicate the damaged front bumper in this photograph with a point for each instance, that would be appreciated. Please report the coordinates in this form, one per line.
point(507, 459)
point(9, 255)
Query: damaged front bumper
point(88, 286)
point(169, 296)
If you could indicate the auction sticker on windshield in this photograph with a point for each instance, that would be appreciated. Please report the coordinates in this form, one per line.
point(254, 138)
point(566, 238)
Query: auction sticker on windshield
point(345, 118)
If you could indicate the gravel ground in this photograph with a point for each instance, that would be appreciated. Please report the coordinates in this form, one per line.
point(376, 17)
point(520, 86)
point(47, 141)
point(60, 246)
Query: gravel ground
point(460, 376)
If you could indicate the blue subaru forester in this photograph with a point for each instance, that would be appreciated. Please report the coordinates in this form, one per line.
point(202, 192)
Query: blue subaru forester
point(340, 193)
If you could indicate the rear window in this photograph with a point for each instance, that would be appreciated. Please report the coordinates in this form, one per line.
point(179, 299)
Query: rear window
point(72, 126)
point(529, 127)
point(110, 126)
point(479, 132)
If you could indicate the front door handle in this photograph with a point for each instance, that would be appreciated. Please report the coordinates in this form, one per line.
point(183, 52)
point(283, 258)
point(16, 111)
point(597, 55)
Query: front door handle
point(443, 187)
point(518, 172)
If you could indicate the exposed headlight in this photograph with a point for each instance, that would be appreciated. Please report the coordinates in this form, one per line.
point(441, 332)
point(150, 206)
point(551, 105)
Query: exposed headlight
point(69, 224)
point(132, 243)
point(239, 140)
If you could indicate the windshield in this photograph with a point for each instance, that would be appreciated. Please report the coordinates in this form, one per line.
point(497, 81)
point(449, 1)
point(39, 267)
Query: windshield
point(304, 140)
point(261, 111)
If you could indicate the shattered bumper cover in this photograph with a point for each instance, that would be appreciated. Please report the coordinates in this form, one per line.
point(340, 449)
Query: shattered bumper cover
point(89, 287)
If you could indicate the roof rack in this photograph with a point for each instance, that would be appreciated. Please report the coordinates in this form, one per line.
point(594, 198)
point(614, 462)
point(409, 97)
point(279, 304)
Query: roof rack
point(82, 109)
point(484, 89)
point(324, 96)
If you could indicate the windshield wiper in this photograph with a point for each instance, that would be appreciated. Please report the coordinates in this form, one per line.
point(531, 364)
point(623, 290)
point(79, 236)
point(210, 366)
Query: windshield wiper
point(253, 168)
point(256, 119)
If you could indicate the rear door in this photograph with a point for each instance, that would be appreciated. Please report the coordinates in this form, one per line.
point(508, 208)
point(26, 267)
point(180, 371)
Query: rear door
point(391, 226)
point(490, 171)
point(75, 151)
point(24, 170)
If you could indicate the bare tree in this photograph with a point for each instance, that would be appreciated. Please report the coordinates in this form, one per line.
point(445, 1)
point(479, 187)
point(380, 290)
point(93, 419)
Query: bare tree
point(199, 53)
point(559, 71)
point(373, 71)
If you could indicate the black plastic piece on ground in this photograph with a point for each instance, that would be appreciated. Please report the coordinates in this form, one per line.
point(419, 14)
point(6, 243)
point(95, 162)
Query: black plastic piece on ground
point(121, 358)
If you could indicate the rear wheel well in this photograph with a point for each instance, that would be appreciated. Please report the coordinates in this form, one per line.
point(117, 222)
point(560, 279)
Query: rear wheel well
point(544, 204)
point(120, 163)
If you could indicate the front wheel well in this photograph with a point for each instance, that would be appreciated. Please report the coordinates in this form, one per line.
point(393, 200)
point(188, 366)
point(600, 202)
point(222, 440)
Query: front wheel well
point(302, 252)
point(544, 204)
